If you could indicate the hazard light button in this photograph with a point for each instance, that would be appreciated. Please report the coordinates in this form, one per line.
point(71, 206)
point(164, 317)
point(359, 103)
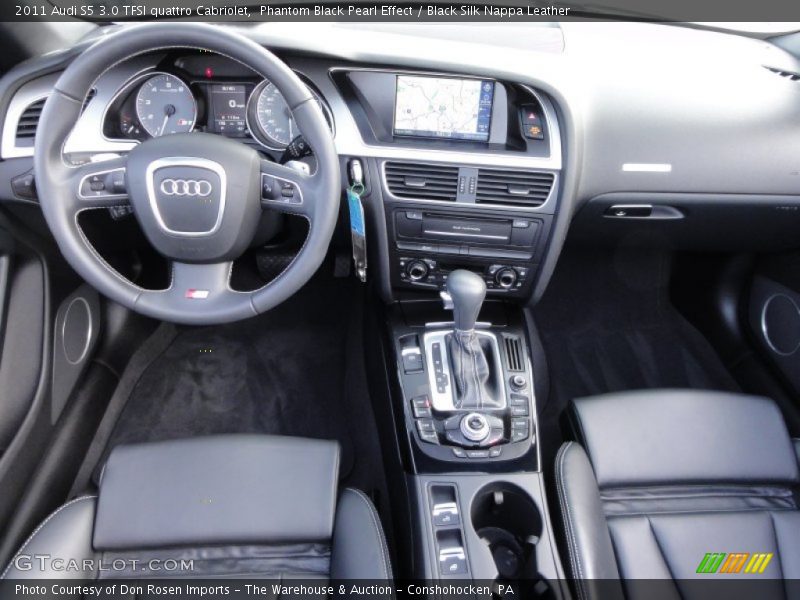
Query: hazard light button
point(531, 122)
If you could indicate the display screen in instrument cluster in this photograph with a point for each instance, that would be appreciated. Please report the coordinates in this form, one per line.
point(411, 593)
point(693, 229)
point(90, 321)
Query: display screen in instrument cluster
point(443, 107)
point(229, 109)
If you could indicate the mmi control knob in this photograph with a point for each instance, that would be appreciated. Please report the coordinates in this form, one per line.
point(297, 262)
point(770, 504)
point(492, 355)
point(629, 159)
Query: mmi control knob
point(506, 277)
point(417, 270)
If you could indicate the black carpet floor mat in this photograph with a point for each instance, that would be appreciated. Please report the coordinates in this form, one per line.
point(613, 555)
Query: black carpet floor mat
point(607, 325)
point(296, 370)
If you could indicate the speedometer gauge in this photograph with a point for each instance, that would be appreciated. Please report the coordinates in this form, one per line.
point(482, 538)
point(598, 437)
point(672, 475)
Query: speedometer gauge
point(165, 104)
point(269, 113)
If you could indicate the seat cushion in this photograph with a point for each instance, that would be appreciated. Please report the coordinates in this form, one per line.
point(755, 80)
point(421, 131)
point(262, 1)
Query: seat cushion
point(669, 479)
point(684, 436)
point(233, 506)
point(242, 488)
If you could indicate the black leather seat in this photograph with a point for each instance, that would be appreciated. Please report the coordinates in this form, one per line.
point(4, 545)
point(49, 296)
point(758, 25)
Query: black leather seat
point(248, 506)
point(658, 480)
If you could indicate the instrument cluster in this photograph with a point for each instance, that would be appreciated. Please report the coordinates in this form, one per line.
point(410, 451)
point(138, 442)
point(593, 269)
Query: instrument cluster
point(218, 98)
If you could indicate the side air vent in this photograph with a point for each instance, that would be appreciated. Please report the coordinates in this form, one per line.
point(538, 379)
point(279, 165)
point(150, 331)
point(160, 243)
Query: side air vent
point(422, 181)
point(29, 120)
point(785, 74)
point(26, 126)
point(514, 354)
point(518, 188)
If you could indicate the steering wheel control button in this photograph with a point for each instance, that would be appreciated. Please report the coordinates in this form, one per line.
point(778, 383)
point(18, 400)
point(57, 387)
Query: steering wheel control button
point(104, 184)
point(276, 189)
point(24, 186)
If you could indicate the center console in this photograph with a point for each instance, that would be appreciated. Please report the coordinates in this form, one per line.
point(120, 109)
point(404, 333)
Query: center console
point(462, 181)
point(468, 383)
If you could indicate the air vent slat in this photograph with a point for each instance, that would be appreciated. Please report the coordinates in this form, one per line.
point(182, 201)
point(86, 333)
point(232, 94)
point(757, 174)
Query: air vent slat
point(26, 126)
point(518, 188)
point(422, 181)
point(514, 354)
point(29, 119)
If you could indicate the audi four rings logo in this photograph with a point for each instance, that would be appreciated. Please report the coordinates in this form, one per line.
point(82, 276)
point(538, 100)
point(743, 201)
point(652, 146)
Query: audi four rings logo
point(186, 187)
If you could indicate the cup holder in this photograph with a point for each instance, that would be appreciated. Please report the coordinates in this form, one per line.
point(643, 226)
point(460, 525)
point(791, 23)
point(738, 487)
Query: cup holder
point(505, 517)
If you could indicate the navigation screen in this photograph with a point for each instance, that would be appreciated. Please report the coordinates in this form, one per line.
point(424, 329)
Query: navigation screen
point(229, 106)
point(443, 107)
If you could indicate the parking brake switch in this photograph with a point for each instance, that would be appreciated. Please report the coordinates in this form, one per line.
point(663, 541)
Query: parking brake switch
point(411, 354)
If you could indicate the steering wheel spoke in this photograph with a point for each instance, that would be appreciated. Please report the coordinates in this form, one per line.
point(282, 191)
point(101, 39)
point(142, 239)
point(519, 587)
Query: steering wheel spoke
point(100, 184)
point(287, 190)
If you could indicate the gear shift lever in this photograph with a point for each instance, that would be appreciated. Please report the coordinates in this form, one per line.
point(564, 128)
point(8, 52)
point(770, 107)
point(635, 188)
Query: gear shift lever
point(467, 291)
point(467, 356)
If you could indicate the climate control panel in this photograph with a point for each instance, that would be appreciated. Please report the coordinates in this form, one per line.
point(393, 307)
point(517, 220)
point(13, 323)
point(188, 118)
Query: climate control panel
point(432, 273)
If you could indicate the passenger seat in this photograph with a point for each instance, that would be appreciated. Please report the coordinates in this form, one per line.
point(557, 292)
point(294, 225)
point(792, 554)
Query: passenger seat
point(676, 486)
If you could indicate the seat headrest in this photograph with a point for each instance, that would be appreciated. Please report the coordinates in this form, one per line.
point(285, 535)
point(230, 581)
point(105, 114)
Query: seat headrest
point(234, 489)
point(681, 436)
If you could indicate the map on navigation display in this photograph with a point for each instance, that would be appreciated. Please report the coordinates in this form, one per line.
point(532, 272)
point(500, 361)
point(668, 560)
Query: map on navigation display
point(443, 107)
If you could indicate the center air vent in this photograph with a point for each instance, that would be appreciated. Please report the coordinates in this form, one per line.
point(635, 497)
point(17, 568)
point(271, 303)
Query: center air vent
point(517, 188)
point(422, 181)
point(29, 120)
point(514, 353)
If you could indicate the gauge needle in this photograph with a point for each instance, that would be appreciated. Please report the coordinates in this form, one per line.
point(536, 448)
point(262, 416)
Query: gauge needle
point(169, 110)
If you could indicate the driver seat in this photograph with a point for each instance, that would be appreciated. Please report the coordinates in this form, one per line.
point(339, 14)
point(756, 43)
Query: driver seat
point(251, 506)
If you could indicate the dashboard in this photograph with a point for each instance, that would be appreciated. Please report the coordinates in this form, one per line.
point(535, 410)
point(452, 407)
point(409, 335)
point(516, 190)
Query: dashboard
point(516, 133)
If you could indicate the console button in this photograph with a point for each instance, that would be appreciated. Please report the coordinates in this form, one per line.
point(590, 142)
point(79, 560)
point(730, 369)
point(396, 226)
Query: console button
point(519, 429)
point(518, 400)
point(460, 452)
point(445, 514)
point(495, 452)
point(425, 425)
point(477, 454)
point(421, 407)
point(453, 561)
point(414, 215)
point(412, 360)
point(429, 436)
point(531, 122)
point(518, 382)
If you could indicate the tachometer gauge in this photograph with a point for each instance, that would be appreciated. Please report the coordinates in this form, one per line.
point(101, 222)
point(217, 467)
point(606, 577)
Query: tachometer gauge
point(271, 117)
point(165, 104)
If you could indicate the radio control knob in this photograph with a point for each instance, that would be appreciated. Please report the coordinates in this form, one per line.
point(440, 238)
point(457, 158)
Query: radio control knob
point(417, 270)
point(506, 277)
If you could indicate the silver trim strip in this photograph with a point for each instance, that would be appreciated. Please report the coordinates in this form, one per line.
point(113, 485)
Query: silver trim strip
point(178, 161)
point(765, 329)
point(647, 167)
point(461, 234)
point(444, 401)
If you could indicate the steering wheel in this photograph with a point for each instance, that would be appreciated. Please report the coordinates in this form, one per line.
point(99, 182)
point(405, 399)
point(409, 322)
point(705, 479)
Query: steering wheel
point(198, 197)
